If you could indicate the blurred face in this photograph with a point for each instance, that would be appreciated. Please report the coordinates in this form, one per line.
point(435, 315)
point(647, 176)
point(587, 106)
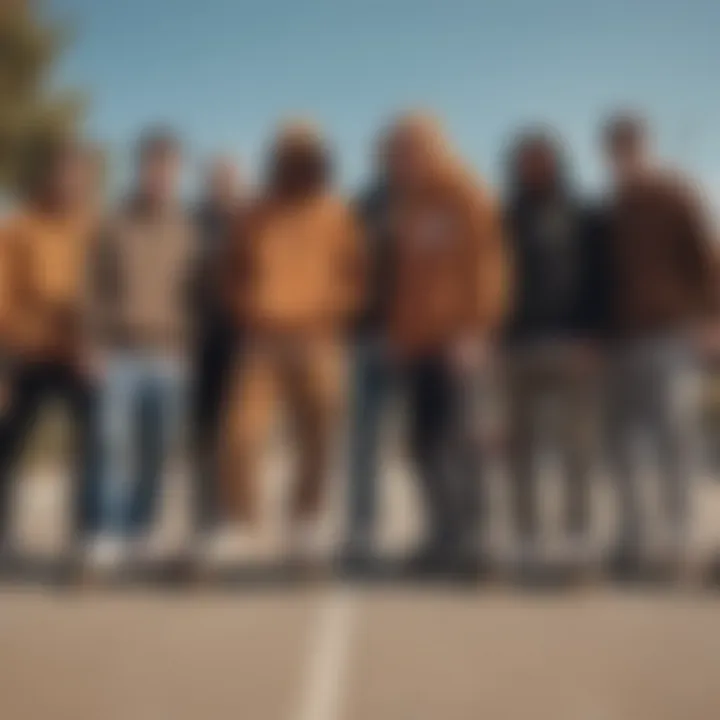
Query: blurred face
point(222, 182)
point(160, 175)
point(409, 158)
point(626, 155)
point(68, 179)
point(538, 167)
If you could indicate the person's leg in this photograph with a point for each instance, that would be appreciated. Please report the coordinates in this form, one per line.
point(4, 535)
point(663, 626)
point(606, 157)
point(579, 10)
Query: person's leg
point(524, 395)
point(430, 389)
point(211, 371)
point(578, 433)
point(315, 395)
point(250, 409)
point(149, 439)
point(118, 400)
point(29, 386)
point(370, 388)
point(625, 400)
point(80, 395)
point(164, 403)
point(468, 448)
point(673, 418)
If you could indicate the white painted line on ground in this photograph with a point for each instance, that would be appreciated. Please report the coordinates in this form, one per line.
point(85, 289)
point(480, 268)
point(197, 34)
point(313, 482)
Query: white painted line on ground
point(328, 660)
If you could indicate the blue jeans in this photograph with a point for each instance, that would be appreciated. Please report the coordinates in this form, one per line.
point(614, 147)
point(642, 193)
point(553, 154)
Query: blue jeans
point(142, 413)
point(654, 395)
point(372, 383)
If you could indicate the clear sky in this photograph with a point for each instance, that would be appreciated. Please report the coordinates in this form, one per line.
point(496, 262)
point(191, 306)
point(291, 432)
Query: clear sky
point(224, 71)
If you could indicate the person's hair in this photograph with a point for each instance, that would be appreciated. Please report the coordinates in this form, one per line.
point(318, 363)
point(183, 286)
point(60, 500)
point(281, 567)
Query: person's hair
point(41, 160)
point(538, 138)
point(158, 142)
point(625, 130)
point(532, 139)
point(299, 167)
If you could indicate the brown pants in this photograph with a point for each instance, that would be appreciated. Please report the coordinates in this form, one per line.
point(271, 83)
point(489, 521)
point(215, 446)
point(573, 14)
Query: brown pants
point(304, 376)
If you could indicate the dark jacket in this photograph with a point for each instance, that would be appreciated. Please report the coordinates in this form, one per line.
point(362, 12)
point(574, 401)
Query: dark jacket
point(664, 258)
point(560, 252)
point(372, 209)
point(209, 308)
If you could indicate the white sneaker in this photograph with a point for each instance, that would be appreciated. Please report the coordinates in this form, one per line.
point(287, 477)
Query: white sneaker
point(306, 542)
point(149, 549)
point(230, 545)
point(105, 553)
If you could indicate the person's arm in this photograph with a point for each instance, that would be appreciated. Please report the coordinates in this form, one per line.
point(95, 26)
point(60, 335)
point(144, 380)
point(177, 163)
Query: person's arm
point(19, 328)
point(353, 269)
point(231, 269)
point(5, 310)
point(103, 281)
point(494, 271)
point(102, 290)
point(5, 299)
point(593, 318)
point(489, 279)
point(699, 247)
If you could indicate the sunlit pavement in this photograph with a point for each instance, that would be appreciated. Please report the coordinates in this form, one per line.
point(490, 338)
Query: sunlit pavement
point(328, 652)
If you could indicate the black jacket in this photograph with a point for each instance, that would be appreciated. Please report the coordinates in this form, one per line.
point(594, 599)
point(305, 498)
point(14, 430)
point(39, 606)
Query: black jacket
point(214, 227)
point(372, 208)
point(562, 279)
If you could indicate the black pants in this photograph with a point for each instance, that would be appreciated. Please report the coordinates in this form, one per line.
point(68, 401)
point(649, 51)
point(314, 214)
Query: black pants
point(445, 447)
point(213, 361)
point(32, 386)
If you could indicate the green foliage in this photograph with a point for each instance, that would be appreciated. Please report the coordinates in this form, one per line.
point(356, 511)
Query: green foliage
point(31, 110)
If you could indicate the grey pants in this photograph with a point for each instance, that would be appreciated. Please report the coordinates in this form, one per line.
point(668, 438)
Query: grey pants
point(653, 395)
point(552, 408)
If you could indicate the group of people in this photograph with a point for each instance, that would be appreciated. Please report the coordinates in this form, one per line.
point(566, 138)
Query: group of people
point(153, 320)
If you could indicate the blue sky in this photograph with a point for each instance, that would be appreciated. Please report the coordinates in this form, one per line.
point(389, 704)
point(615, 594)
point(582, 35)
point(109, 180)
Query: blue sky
point(224, 71)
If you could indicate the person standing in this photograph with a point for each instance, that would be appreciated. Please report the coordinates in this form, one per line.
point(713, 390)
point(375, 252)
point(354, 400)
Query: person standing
point(372, 379)
point(554, 338)
point(216, 339)
point(139, 322)
point(450, 295)
point(299, 285)
point(44, 251)
point(665, 302)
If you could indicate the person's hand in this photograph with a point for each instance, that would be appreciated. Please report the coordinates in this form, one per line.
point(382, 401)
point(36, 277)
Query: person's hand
point(469, 354)
point(706, 340)
point(5, 395)
point(92, 363)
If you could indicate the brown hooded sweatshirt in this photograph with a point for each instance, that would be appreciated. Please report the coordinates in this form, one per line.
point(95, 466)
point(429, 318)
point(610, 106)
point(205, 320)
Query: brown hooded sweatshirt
point(452, 278)
point(43, 283)
point(298, 259)
point(664, 258)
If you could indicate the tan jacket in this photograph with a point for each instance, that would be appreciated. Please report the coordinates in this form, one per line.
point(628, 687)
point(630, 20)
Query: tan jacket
point(300, 265)
point(43, 266)
point(451, 265)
